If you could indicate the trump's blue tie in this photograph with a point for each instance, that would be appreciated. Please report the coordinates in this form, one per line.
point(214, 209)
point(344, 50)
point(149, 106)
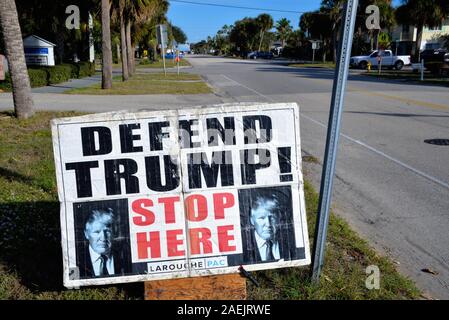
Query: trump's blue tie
point(269, 253)
point(103, 268)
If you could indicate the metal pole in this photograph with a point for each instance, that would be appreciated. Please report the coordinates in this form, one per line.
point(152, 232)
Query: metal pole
point(333, 133)
point(422, 69)
point(163, 51)
point(177, 60)
point(380, 65)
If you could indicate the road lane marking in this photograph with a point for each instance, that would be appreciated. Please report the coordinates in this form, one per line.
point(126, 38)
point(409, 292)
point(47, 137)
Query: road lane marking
point(372, 149)
point(416, 171)
point(402, 99)
point(352, 88)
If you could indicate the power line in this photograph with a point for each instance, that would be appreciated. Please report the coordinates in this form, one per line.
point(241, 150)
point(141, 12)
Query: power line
point(235, 7)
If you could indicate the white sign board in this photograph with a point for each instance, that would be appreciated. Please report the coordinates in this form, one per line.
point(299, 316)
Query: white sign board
point(170, 194)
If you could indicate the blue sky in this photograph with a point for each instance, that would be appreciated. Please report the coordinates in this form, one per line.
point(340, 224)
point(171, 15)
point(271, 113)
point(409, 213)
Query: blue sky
point(198, 22)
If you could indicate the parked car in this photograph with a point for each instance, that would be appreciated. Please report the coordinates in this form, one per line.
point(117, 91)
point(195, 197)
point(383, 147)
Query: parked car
point(386, 56)
point(436, 60)
point(260, 55)
point(172, 55)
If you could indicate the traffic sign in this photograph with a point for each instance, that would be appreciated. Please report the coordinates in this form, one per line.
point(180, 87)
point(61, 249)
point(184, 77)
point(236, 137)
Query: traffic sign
point(162, 35)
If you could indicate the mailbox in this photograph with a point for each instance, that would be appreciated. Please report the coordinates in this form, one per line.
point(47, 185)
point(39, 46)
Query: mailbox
point(38, 51)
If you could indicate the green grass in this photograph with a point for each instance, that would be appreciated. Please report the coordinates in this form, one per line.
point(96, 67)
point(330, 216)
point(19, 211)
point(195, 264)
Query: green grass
point(169, 63)
point(343, 276)
point(409, 76)
point(150, 83)
point(330, 65)
point(31, 255)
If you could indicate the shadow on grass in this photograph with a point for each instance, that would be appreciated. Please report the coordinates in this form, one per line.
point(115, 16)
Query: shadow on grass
point(11, 175)
point(30, 242)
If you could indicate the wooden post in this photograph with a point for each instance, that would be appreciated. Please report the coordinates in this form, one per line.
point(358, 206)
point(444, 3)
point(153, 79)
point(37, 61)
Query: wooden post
point(221, 287)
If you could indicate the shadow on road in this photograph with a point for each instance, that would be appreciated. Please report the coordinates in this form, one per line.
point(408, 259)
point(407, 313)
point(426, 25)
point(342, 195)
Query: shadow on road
point(401, 115)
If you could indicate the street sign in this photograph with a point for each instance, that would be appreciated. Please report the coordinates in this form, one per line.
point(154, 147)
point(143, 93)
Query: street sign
point(2, 68)
point(162, 39)
point(162, 35)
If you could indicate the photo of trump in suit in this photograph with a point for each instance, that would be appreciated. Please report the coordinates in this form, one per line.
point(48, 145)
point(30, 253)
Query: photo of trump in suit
point(102, 249)
point(266, 217)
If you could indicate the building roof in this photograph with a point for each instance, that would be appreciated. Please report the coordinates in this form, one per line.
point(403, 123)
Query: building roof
point(35, 41)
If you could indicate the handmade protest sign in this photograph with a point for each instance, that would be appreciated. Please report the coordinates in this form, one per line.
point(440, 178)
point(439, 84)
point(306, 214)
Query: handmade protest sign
point(180, 193)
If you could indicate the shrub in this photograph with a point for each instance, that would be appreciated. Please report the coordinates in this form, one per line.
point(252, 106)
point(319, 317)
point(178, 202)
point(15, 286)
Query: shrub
point(58, 74)
point(43, 76)
point(86, 69)
point(38, 77)
point(145, 62)
point(75, 70)
point(6, 85)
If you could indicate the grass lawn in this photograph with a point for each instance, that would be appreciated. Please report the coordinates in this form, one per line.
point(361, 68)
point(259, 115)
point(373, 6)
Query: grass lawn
point(150, 83)
point(330, 65)
point(31, 255)
point(409, 76)
point(169, 63)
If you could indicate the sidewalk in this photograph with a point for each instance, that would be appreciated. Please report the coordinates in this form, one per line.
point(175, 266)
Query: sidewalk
point(88, 103)
point(73, 84)
point(51, 98)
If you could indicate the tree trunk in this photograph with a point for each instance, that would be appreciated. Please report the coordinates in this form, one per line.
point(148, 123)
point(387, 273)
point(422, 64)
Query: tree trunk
point(12, 36)
point(106, 82)
point(261, 39)
point(125, 72)
point(155, 54)
point(60, 47)
point(129, 47)
point(334, 42)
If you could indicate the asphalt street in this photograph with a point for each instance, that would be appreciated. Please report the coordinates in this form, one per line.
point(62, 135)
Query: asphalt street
point(391, 186)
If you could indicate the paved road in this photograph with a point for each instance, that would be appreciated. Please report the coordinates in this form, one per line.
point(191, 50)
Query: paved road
point(391, 186)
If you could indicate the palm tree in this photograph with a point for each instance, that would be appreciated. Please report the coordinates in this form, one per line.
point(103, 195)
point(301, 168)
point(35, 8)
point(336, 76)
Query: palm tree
point(333, 8)
point(106, 82)
point(284, 29)
point(119, 9)
point(265, 23)
point(12, 36)
point(139, 11)
point(421, 13)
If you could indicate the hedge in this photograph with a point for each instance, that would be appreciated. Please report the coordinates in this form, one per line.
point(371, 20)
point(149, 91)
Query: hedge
point(43, 76)
point(38, 77)
point(58, 74)
point(86, 69)
point(6, 85)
